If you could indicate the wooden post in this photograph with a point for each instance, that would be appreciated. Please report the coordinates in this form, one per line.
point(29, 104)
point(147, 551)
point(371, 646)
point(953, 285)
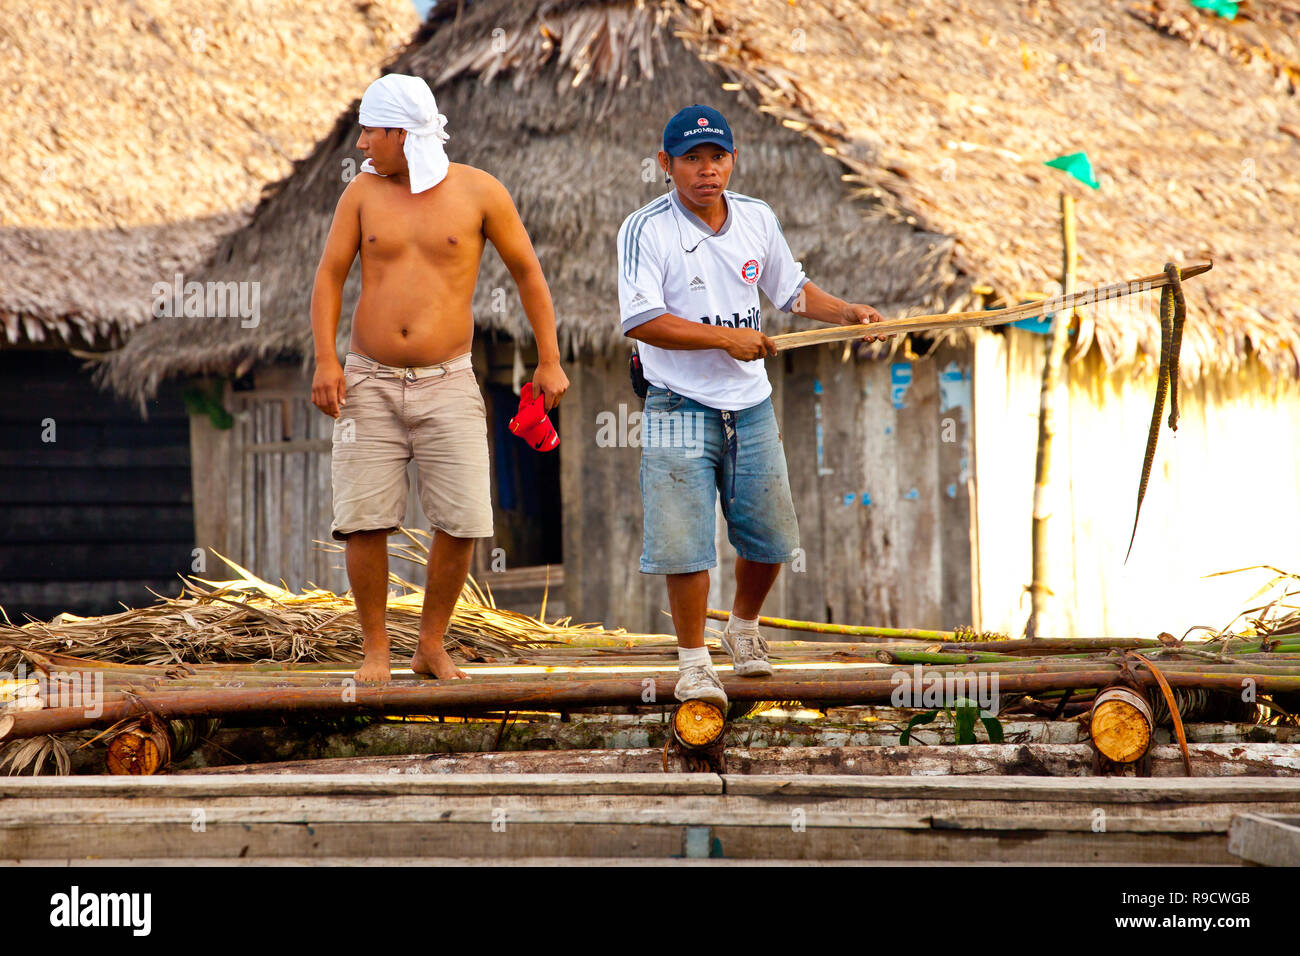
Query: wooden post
point(1038, 588)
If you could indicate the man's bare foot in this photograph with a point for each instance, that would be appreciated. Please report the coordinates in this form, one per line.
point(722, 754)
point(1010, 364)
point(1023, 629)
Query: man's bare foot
point(373, 670)
point(437, 664)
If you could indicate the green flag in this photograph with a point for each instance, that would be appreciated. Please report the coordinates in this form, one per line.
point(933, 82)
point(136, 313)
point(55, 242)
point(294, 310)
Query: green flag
point(1224, 8)
point(1077, 165)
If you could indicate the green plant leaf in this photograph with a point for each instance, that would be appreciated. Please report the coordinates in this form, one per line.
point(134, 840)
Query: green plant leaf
point(906, 737)
point(205, 399)
point(964, 724)
point(993, 727)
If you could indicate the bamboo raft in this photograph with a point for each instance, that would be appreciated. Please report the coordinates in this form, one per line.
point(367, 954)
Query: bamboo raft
point(153, 684)
point(567, 730)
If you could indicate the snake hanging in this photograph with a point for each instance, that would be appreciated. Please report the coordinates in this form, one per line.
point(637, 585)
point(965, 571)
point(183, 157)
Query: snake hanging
point(1173, 313)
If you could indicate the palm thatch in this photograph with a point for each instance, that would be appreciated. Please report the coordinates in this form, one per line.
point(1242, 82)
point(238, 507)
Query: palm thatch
point(939, 113)
point(952, 107)
point(1264, 37)
point(138, 133)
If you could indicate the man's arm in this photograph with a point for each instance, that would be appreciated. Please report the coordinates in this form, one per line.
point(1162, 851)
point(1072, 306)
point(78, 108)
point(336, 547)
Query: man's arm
point(787, 286)
point(820, 306)
point(505, 230)
point(670, 331)
point(341, 246)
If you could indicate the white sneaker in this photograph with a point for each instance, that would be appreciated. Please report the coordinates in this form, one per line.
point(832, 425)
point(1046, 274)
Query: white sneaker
point(748, 652)
point(700, 682)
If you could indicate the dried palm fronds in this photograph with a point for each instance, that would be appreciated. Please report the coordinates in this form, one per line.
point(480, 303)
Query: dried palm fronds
point(247, 619)
point(33, 753)
point(1279, 616)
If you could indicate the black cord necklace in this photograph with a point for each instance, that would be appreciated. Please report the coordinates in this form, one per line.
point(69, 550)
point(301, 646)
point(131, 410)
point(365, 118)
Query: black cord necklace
point(680, 242)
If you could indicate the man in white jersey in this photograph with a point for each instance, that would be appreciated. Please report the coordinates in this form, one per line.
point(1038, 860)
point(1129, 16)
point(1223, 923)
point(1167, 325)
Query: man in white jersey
point(691, 264)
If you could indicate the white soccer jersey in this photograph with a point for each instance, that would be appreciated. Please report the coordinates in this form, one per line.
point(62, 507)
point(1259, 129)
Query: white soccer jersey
point(669, 261)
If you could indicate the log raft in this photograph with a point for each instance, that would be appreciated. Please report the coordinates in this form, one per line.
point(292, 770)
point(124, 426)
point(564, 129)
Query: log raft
point(451, 697)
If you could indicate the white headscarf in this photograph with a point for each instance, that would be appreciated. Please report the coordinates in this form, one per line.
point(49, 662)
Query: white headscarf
point(406, 102)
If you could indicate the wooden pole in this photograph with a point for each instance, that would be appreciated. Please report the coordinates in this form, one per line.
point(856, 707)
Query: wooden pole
point(1038, 588)
point(454, 696)
point(852, 630)
point(985, 317)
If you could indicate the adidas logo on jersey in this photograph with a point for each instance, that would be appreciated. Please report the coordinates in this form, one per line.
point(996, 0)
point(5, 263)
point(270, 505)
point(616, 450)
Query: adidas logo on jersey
point(697, 284)
point(638, 299)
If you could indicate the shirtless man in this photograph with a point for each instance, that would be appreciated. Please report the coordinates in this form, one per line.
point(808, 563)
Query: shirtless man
point(420, 224)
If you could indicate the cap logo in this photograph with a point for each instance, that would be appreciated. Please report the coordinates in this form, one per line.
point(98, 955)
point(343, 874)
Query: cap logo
point(701, 122)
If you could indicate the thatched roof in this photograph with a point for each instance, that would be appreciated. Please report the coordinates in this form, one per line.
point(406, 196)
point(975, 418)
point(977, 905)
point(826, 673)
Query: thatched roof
point(952, 106)
point(940, 113)
point(138, 133)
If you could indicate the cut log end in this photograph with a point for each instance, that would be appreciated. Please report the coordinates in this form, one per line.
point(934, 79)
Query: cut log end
point(141, 749)
point(1121, 725)
point(698, 724)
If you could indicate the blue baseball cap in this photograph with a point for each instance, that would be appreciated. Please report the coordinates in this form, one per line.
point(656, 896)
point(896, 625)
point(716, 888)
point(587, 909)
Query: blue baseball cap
point(694, 125)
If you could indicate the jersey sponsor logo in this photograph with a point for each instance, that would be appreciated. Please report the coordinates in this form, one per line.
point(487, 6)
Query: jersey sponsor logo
point(697, 284)
point(749, 271)
point(752, 319)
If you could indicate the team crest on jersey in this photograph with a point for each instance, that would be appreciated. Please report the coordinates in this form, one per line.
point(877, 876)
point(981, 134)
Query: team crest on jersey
point(749, 271)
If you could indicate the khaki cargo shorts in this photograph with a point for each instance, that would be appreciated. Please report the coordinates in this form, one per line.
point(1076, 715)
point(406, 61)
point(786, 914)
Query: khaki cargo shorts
point(434, 415)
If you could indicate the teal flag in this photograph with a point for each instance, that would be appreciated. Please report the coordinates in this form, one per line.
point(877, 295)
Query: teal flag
point(1077, 165)
point(1223, 8)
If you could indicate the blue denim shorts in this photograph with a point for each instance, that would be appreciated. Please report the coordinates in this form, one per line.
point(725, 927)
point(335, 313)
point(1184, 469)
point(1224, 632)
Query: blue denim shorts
point(687, 460)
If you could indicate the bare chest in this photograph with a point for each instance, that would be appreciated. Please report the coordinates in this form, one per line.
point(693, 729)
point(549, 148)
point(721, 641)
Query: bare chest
point(436, 228)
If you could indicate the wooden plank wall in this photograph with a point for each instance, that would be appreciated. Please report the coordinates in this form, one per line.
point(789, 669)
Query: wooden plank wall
point(883, 507)
point(1224, 493)
point(95, 506)
point(267, 509)
point(901, 559)
point(601, 491)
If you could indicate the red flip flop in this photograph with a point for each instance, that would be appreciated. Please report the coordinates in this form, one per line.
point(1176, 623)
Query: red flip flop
point(532, 423)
